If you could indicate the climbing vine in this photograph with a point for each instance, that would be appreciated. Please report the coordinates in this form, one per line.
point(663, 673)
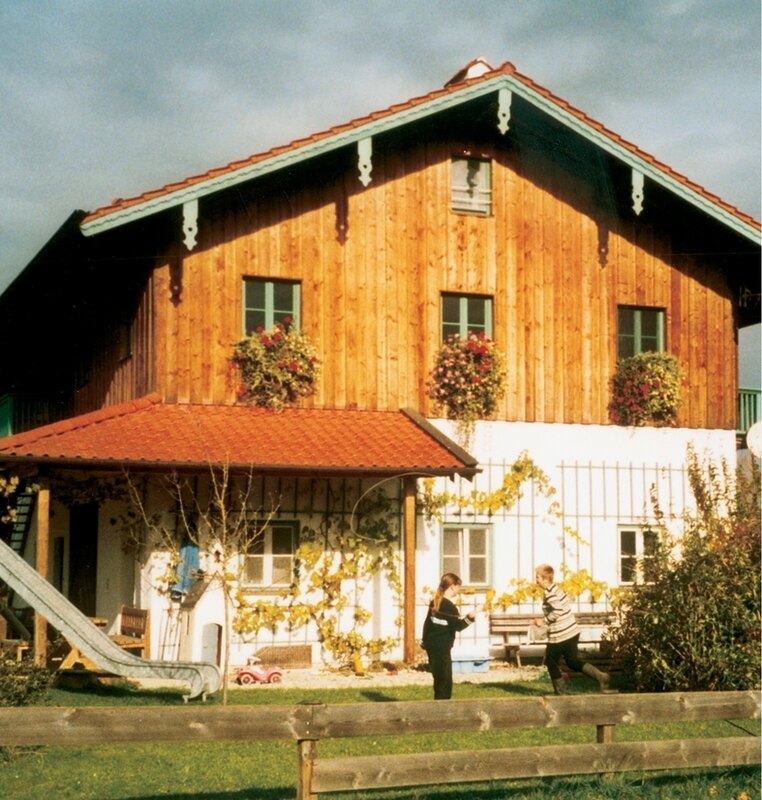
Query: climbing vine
point(522, 473)
point(335, 564)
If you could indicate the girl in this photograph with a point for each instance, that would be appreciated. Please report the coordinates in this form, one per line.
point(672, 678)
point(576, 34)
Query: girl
point(442, 623)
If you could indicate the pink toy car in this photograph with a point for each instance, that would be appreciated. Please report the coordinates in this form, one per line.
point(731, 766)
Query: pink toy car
point(256, 672)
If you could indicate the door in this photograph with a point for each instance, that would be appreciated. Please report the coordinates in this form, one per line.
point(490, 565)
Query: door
point(83, 556)
point(211, 643)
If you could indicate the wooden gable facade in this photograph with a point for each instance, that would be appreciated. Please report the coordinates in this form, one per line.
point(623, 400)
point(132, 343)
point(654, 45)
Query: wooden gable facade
point(559, 250)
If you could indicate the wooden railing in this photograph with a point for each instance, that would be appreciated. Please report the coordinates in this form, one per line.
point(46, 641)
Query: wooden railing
point(307, 724)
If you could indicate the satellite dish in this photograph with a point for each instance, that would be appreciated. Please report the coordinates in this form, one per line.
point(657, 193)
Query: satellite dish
point(754, 439)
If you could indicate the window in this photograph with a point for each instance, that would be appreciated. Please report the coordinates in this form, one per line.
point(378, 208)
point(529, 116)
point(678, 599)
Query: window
point(267, 302)
point(465, 551)
point(471, 185)
point(464, 313)
point(637, 548)
point(639, 330)
point(270, 560)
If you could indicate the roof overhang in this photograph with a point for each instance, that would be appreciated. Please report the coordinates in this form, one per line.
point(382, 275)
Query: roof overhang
point(147, 435)
point(504, 79)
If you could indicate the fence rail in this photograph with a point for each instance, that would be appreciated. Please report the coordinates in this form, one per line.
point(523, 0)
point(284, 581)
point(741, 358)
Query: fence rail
point(307, 724)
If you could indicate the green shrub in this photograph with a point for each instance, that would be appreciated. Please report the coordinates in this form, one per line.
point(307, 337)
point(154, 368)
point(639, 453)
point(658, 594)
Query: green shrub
point(21, 682)
point(696, 625)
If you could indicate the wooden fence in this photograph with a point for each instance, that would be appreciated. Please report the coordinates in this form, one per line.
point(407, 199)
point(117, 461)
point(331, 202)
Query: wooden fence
point(307, 724)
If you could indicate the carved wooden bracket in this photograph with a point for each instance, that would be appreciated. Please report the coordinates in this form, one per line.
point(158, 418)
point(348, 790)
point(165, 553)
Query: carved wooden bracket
point(638, 180)
point(190, 223)
point(364, 159)
point(504, 97)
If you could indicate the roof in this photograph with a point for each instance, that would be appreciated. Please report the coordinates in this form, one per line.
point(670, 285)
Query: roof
point(460, 89)
point(150, 434)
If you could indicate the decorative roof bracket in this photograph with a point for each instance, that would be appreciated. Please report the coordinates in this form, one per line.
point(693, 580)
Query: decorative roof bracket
point(504, 97)
point(638, 180)
point(364, 159)
point(190, 222)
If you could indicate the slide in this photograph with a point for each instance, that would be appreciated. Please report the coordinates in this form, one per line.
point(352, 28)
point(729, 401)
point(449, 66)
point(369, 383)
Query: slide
point(92, 642)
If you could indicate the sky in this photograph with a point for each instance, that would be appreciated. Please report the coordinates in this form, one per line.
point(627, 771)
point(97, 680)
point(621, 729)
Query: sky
point(109, 98)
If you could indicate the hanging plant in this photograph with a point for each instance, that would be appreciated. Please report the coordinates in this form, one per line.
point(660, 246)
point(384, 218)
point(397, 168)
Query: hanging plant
point(646, 390)
point(468, 379)
point(276, 367)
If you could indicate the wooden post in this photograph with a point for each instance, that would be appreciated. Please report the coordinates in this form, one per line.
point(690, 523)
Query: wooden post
point(409, 570)
point(42, 558)
point(604, 734)
point(306, 753)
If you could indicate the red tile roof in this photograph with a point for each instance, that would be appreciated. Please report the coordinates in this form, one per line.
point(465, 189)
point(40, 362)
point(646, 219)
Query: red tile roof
point(452, 87)
point(150, 434)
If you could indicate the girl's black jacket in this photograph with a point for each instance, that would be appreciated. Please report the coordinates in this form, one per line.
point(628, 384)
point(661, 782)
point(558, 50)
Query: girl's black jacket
point(440, 627)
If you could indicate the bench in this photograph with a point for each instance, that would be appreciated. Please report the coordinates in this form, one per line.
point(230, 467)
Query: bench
point(134, 630)
point(519, 630)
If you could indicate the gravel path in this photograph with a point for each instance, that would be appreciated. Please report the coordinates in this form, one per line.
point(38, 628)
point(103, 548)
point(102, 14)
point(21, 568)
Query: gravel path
point(327, 679)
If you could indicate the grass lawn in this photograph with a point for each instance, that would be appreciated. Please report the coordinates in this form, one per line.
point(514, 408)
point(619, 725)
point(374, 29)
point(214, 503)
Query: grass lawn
point(267, 770)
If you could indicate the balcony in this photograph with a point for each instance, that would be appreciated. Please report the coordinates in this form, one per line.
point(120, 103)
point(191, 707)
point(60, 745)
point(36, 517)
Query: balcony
point(748, 409)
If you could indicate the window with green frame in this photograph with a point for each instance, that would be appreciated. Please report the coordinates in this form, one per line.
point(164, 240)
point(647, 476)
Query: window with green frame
point(639, 330)
point(267, 302)
point(462, 313)
point(270, 558)
point(466, 552)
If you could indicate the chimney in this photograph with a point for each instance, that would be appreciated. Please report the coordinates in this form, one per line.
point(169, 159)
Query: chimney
point(474, 69)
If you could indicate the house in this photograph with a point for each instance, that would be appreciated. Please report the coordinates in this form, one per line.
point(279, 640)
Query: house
point(490, 206)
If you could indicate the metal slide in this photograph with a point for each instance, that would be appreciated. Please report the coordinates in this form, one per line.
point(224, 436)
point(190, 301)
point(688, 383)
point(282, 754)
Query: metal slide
point(204, 678)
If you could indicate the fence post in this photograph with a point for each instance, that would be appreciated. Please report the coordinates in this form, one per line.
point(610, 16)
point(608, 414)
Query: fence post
point(306, 754)
point(604, 734)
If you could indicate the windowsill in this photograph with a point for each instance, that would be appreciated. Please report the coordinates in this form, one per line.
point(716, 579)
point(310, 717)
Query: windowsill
point(249, 588)
point(463, 212)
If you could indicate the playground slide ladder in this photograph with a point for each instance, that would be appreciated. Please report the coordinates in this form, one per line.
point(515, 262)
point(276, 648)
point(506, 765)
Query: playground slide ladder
point(204, 678)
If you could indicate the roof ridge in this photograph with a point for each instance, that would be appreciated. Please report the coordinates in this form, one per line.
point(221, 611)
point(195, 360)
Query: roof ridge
point(507, 68)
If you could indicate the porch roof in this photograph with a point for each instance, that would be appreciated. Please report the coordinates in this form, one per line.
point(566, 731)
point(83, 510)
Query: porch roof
point(149, 434)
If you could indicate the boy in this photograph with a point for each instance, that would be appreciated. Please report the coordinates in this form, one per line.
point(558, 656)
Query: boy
point(563, 633)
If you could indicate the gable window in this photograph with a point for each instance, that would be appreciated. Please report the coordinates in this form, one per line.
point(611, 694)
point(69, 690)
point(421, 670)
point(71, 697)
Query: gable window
point(270, 558)
point(465, 551)
point(463, 313)
point(471, 185)
point(266, 303)
point(637, 548)
point(639, 330)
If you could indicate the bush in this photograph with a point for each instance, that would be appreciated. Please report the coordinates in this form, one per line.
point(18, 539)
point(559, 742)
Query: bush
point(21, 682)
point(696, 626)
point(646, 389)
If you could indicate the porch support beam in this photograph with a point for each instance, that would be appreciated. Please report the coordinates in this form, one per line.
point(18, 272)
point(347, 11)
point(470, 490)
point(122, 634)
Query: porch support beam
point(42, 559)
point(408, 585)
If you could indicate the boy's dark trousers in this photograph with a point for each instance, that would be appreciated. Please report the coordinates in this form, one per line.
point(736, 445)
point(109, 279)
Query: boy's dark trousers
point(440, 666)
point(566, 650)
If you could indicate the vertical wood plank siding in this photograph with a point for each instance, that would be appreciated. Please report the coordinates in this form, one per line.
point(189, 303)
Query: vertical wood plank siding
point(374, 261)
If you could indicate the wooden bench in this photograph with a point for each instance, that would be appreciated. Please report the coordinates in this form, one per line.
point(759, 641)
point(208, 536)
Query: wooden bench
point(519, 630)
point(134, 630)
